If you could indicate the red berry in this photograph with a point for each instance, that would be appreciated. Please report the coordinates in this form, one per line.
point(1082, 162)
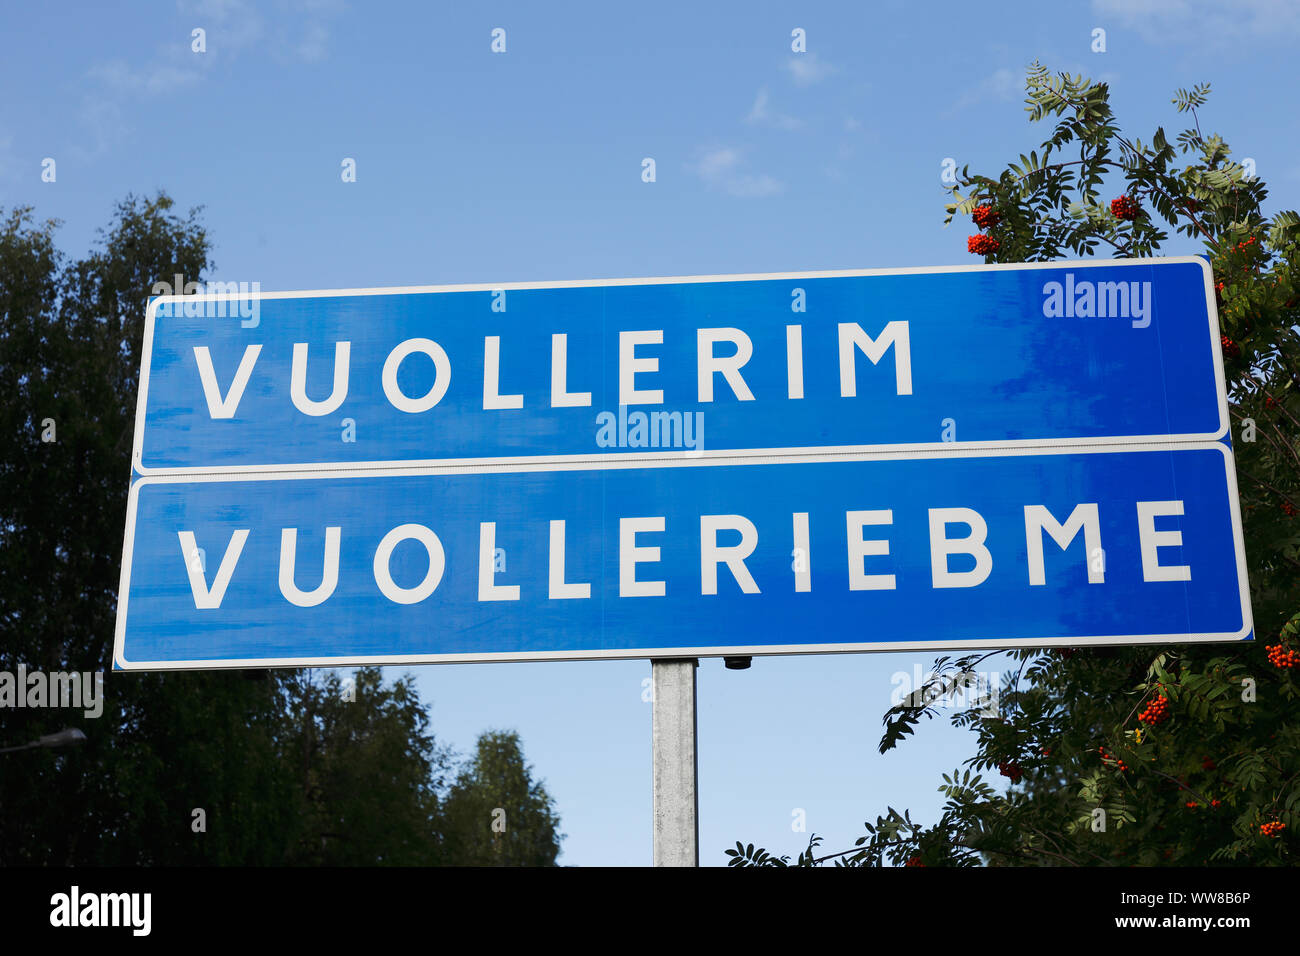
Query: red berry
point(1155, 711)
point(986, 216)
point(1108, 757)
point(1280, 656)
point(1124, 208)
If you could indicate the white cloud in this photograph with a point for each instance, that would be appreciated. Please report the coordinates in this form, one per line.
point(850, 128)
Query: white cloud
point(1001, 84)
point(312, 18)
point(118, 76)
point(724, 169)
point(114, 83)
point(232, 28)
point(313, 46)
point(807, 68)
point(761, 114)
point(716, 162)
point(231, 25)
point(1211, 22)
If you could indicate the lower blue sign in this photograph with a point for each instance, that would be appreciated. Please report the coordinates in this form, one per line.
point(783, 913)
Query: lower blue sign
point(898, 552)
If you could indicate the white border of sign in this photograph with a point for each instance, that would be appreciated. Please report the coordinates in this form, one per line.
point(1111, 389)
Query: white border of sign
point(739, 650)
point(734, 455)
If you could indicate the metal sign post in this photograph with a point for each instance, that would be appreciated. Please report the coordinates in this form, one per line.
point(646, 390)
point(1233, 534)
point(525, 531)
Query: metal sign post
point(676, 763)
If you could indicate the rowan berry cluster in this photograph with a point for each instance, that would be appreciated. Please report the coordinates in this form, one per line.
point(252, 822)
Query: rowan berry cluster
point(1230, 348)
point(1011, 769)
point(914, 861)
point(1270, 401)
point(1191, 804)
point(982, 245)
point(1280, 656)
point(1124, 208)
point(1245, 244)
point(1107, 757)
point(1207, 763)
point(1273, 828)
point(1215, 803)
point(986, 216)
point(1155, 711)
point(1288, 509)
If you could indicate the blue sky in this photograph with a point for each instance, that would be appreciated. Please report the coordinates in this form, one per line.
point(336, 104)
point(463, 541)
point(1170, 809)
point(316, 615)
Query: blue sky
point(474, 166)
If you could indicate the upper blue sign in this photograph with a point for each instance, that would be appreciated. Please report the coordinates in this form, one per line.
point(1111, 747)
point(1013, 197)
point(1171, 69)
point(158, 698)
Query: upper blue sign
point(981, 356)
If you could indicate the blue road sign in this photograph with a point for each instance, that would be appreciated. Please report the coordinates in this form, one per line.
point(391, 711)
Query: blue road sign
point(900, 551)
point(1030, 355)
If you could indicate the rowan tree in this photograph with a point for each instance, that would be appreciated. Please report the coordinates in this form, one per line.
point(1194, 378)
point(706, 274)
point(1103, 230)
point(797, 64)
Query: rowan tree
point(1176, 754)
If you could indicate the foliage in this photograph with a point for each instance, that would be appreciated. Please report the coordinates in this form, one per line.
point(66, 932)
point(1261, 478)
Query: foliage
point(1099, 775)
point(369, 773)
point(497, 814)
point(283, 769)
